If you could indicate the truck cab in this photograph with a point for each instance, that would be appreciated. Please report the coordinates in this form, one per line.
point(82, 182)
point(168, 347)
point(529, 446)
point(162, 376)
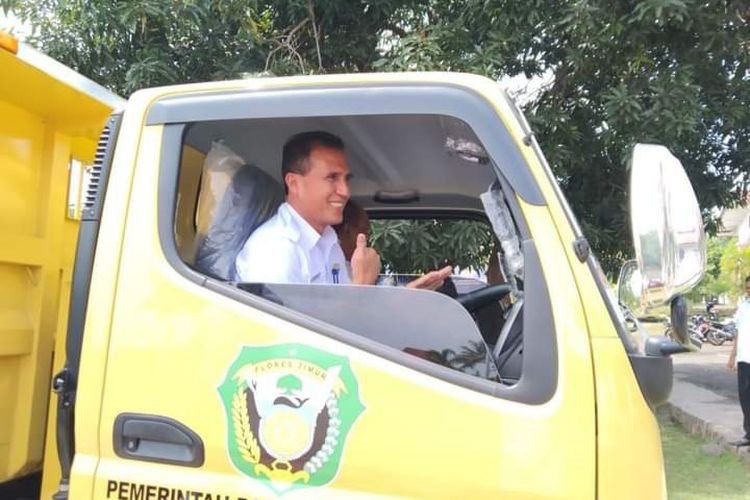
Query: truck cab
point(182, 381)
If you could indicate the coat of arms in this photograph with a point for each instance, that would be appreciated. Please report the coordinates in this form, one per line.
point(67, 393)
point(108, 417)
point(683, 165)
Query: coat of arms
point(289, 409)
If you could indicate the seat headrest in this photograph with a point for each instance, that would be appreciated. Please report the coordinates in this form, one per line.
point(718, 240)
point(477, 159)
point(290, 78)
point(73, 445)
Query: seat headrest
point(251, 198)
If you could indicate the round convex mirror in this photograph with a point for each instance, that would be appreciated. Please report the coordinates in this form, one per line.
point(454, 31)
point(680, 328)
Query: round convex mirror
point(667, 226)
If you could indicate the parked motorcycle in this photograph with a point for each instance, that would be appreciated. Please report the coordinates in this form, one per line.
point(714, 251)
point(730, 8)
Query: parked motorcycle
point(696, 335)
point(717, 336)
point(728, 328)
point(708, 331)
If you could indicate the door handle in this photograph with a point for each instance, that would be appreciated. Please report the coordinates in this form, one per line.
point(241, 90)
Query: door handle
point(154, 438)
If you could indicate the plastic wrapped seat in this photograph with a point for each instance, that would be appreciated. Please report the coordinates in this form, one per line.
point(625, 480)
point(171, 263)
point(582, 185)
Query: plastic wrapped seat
point(237, 208)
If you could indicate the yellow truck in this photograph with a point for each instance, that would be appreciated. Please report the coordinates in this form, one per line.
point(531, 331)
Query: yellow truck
point(135, 365)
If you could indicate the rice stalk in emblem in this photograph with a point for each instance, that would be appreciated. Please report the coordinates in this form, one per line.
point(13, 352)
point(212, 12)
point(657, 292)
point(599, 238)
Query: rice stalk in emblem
point(289, 410)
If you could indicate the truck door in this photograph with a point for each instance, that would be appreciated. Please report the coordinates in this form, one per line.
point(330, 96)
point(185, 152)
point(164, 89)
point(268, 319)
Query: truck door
point(216, 390)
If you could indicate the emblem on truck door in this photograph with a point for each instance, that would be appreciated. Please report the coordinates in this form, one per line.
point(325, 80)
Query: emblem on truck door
point(289, 409)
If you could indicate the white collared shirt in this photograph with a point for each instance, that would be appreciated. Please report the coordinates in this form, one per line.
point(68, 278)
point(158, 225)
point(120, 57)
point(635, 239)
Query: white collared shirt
point(742, 318)
point(286, 249)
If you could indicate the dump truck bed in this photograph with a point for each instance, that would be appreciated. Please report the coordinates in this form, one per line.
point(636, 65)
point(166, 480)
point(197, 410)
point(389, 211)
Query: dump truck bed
point(51, 117)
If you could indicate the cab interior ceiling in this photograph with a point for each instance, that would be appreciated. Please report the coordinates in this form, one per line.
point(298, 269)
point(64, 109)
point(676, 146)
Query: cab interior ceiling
point(438, 159)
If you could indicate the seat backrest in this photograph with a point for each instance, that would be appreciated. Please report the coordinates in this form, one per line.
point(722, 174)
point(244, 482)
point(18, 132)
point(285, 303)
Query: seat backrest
point(250, 199)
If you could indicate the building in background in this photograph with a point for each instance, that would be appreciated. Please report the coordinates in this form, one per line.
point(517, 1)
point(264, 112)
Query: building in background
point(736, 222)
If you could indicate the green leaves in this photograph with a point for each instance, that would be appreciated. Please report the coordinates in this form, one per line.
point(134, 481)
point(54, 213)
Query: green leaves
point(675, 72)
point(726, 269)
point(136, 44)
point(662, 11)
point(417, 246)
point(621, 107)
point(735, 266)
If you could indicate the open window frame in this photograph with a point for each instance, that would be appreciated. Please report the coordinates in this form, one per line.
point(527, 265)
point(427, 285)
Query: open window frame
point(539, 375)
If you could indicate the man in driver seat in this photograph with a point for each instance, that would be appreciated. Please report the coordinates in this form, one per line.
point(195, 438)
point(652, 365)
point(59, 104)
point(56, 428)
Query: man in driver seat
point(298, 244)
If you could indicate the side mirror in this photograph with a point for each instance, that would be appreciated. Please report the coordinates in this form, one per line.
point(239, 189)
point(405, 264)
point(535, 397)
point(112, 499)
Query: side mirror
point(668, 237)
point(667, 227)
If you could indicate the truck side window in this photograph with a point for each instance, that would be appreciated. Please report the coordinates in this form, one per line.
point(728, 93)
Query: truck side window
point(406, 169)
point(428, 325)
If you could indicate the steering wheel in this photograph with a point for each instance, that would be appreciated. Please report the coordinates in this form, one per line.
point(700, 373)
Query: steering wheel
point(477, 299)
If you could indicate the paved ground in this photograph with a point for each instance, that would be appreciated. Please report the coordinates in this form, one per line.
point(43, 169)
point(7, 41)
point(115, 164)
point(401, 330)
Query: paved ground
point(704, 396)
point(707, 369)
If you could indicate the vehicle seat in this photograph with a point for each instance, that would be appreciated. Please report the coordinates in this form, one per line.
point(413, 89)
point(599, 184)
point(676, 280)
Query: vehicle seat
point(251, 198)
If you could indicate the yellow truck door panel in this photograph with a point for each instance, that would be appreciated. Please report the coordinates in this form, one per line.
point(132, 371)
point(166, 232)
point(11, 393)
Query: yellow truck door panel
point(424, 437)
point(239, 380)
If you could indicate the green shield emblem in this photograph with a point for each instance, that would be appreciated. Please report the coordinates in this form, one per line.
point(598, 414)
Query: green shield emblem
point(289, 409)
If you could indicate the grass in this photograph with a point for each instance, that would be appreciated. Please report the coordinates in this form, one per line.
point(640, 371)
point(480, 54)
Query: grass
point(694, 475)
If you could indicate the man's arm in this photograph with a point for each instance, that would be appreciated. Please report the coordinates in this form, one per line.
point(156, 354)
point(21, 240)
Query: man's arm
point(732, 361)
point(432, 280)
point(365, 265)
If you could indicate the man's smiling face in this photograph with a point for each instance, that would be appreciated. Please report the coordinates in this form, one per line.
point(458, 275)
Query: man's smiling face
point(320, 194)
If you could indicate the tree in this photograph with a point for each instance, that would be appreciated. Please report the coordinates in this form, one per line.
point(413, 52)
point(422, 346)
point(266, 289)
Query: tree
point(715, 283)
point(127, 45)
point(612, 72)
point(615, 73)
point(727, 267)
point(735, 266)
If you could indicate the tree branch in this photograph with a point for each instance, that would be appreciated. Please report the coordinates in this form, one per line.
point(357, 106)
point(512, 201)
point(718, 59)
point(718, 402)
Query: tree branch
point(298, 27)
point(285, 42)
point(315, 34)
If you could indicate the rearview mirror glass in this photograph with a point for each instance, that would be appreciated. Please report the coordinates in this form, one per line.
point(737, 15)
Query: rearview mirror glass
point(667, 227)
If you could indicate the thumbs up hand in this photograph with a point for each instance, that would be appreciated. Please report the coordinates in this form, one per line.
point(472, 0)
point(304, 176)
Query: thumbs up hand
point(365, 263)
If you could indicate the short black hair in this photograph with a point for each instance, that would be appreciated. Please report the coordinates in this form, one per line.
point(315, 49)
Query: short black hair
point(747, 280)
point(297, 150)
